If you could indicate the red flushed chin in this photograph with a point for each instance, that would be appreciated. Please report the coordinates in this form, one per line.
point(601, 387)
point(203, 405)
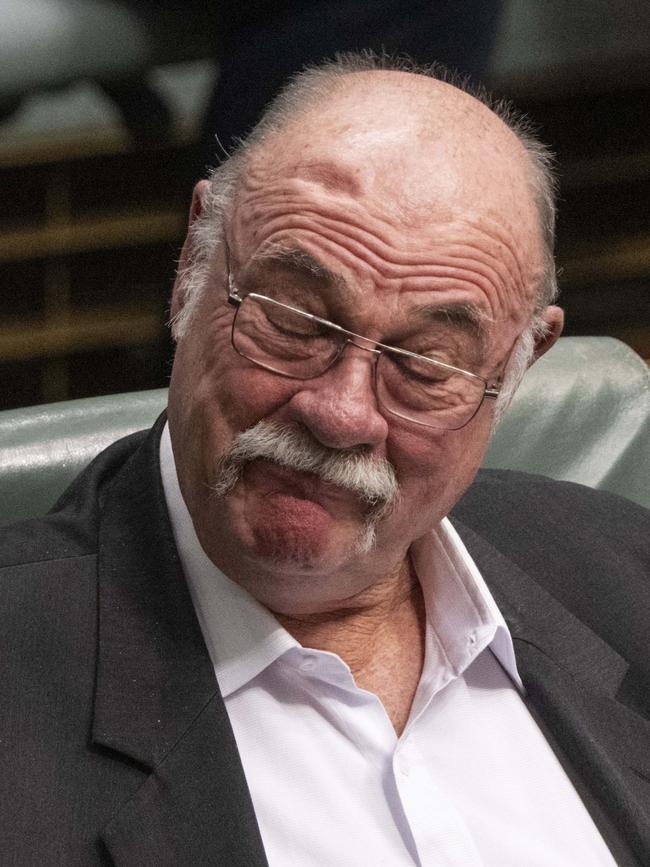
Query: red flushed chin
point(295, 516)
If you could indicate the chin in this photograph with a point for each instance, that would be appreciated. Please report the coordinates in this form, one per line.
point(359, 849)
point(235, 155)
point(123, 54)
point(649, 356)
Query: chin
point(288, 550)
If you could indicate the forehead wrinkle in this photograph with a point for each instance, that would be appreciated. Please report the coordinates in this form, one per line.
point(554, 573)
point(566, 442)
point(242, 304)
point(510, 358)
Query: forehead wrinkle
point(385, 259)
point(484, 255)
point(449, 272)
point(330, 174)
point(365, 229)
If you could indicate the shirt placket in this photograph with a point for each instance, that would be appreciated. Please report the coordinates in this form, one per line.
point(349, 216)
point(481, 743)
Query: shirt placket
point(439, 832)
point(433, 830)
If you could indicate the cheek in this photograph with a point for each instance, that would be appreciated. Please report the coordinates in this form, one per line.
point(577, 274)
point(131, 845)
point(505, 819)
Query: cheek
point(246, 394)
point(434, 468)
point(228, 392)
point(236, 395)
point(215, 393)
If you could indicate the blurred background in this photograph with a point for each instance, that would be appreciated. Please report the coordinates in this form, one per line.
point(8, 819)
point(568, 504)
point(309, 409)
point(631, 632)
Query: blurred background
point(109, 111)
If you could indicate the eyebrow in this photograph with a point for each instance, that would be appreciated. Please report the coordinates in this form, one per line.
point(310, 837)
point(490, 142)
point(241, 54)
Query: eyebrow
point(299, 260)
point(463, 315)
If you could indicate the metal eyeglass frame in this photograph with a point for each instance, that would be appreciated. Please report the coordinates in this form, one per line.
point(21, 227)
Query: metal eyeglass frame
point(351, 338)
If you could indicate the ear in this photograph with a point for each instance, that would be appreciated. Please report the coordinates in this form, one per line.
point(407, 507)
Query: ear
point(196, 209)
point(554, 319)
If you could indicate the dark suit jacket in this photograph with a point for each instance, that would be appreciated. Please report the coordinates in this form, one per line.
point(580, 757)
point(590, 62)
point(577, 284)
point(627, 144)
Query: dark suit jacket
point(115, 746)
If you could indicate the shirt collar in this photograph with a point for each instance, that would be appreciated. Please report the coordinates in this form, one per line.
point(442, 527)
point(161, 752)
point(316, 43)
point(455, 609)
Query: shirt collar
point(243, 637)
point(460, 608)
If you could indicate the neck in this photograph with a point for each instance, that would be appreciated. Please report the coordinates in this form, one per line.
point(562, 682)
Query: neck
point(380, 636)
point(353, 629)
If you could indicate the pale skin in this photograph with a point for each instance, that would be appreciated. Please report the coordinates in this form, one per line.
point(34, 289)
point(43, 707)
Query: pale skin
point(414, 197)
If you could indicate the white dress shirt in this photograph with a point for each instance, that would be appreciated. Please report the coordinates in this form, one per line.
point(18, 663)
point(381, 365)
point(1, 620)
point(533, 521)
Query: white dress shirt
point(471, 780)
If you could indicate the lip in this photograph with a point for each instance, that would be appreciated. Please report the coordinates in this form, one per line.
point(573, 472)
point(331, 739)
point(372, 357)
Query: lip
point(299, 484)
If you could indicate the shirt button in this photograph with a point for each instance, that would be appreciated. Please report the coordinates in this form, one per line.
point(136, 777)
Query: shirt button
point(404, 766)
point(308, 664)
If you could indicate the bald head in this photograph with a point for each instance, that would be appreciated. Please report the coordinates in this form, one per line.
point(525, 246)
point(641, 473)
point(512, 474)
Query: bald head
point(372, 115)
point(415, 141)
point(420, 146)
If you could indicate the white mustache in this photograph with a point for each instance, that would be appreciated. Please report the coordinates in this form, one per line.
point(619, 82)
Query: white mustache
point(371, 479)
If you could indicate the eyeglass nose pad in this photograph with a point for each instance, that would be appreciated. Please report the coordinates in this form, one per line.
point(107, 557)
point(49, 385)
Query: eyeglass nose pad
point(373, 349)
point(349, 341)
point(376, 353)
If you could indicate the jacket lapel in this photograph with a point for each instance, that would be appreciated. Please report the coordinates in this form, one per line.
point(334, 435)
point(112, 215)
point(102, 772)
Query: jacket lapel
point(157, 703)
point(582, 693)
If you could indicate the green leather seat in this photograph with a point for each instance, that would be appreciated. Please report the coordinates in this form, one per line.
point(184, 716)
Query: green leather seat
point(582, 413)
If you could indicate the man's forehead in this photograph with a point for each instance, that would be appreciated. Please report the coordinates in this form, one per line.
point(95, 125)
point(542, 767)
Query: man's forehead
point(454, 196)
point(463, 316)
point(418, 145)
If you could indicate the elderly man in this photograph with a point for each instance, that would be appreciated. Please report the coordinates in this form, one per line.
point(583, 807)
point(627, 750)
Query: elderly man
point(253, 636)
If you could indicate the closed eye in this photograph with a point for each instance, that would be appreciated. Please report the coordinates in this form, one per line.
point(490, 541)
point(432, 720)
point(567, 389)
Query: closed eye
point(420, 370)
point(302, 329)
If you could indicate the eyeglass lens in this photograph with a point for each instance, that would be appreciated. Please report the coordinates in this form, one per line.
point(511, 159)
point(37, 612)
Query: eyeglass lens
point(291, 343)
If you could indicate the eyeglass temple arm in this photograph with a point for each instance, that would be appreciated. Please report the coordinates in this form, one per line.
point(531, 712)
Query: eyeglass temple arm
point(233, 294)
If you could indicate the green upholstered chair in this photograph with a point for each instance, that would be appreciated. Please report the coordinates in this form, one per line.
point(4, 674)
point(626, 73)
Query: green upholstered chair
point(582, 413)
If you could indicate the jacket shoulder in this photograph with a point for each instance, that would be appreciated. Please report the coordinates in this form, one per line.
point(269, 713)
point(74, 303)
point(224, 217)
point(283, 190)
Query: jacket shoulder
point(590, 549)
point(502, 501)
point(540, 517)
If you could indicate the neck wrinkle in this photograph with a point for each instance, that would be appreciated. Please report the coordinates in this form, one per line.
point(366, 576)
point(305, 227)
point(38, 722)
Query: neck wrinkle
point(363, 631)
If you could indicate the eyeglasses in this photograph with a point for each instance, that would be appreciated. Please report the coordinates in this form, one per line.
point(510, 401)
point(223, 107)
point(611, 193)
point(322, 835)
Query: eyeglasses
point(299, 345)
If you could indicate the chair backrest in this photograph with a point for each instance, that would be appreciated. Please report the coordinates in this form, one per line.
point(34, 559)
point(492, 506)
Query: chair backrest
point(582, 413)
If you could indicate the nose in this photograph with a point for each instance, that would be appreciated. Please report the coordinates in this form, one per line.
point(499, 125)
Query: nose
point(340, 407)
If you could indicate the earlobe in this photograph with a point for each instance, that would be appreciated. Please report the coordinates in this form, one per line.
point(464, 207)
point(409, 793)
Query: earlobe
point(196, 209)
point(554, 318)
